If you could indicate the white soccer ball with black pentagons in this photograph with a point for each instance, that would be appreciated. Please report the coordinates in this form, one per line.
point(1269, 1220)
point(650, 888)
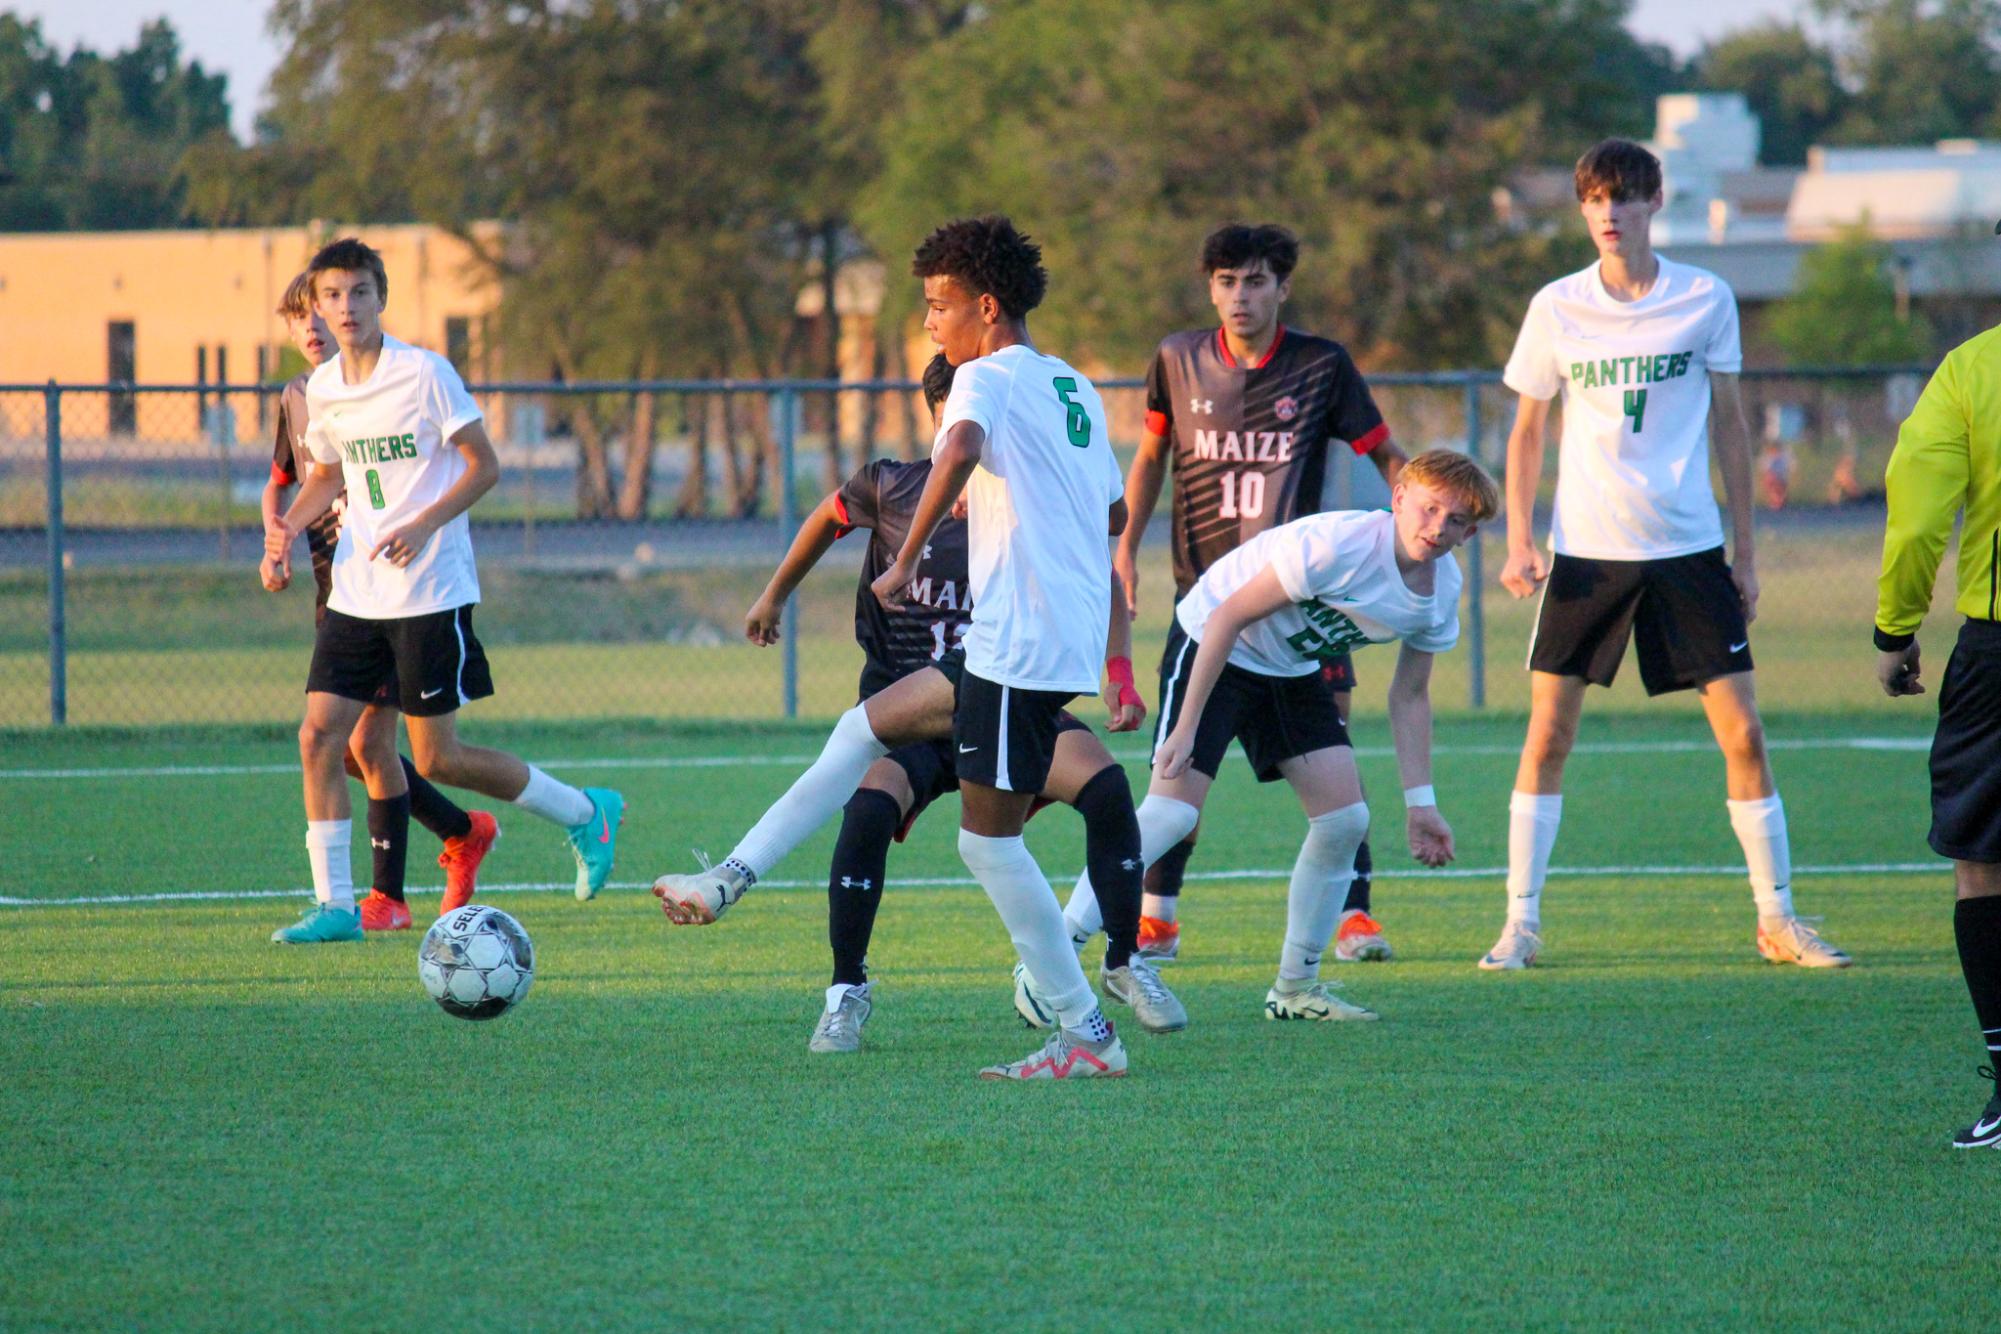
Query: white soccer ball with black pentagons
point(476, 962)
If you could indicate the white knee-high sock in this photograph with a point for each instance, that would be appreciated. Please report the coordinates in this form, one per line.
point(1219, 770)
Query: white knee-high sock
point(1027, 906)
point(1532, 821)
point(327, 848)
point(814, 796)
point(1761, 831)
point(1320, 879)
point(1163, 822)
point(553, 800)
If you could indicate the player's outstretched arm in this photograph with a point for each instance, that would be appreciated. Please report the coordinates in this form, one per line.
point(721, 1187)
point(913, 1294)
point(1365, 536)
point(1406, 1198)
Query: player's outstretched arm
point(1143, 482)
point(1526, 568)
point(1389, 458)
point(1730, 435)
point(482, 474)
point(952, 463)
point(1256, 600)
point(1410, 725)
point(762, 623)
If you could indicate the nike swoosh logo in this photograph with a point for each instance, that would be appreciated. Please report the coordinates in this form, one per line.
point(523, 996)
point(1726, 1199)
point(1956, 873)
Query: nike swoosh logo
point(1310, 962)
point(604, 829)
point(967, 750)
point(1987, 1127)
point(429, 693)
point(1739, 648)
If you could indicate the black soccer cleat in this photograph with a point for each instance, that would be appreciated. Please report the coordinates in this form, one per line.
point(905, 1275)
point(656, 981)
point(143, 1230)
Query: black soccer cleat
point(1986, 1132)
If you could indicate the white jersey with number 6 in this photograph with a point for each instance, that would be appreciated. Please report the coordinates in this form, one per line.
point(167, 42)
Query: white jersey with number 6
point(1632, 478)
point(391, 436)
point(1040, 558)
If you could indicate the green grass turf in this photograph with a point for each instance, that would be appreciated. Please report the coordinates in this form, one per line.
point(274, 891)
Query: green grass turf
point(1655, 1129)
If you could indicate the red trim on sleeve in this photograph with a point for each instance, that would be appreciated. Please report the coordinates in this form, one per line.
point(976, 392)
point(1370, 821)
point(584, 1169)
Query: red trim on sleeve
point(281, 477)
point(1223, 347)
point(847, 525)
point(1367, 444)
point(1156, 423)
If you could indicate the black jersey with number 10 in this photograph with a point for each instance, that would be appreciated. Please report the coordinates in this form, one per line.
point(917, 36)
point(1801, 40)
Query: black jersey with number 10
point(1250, 442)
point(938, 606)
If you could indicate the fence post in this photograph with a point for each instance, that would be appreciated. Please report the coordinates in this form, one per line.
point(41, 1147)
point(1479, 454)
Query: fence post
point(1476, 573)
point(58, 630)
point(788, 433)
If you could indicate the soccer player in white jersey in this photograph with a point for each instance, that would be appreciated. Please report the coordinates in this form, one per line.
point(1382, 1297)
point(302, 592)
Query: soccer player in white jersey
point(1641, 348)
point(1023, 435)
point(395, 426)
point(1244, 656)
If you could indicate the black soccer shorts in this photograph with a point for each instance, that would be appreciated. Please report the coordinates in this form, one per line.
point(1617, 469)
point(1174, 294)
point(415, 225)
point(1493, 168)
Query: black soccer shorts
point(1274, 718)
point(1684, 610)
point(1003, 737)
point(435, 662)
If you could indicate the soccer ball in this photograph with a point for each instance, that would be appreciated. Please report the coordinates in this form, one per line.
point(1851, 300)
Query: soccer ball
point(476, 962)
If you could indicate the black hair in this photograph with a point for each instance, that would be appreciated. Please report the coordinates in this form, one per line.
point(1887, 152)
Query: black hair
point(1619, 167)
point(989, 258)
point(1236, 245)
point(937, 381)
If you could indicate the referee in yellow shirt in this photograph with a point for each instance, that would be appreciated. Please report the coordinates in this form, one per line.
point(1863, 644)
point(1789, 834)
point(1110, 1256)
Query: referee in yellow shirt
point(1948, 458)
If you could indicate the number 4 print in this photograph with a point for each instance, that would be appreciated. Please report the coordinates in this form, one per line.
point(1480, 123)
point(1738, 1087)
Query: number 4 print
point(1636, 408)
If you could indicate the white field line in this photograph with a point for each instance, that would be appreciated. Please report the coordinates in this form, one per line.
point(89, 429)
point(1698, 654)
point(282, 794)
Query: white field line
point(1705, 746)
point(940, 882)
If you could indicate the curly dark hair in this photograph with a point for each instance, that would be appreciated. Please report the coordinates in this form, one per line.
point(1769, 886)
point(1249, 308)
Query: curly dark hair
point(937, 381)
point(350, 254)
point(990, 258)
point(1235, 245)
point(1619, 167)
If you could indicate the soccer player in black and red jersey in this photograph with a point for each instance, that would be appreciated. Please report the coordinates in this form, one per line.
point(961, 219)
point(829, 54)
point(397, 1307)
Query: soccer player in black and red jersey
point(1249, 409)
point(924, 633)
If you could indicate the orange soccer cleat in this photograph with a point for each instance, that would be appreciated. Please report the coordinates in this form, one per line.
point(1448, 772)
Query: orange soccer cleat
point(461, 859)
point(1159, 942)
point(1360, 940)
point(379, 912)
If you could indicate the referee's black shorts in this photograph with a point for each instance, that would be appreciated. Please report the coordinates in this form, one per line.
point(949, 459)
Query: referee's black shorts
point(1966, 750)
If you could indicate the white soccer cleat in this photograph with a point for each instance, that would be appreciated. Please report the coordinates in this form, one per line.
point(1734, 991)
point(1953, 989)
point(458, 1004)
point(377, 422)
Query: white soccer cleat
point(840, 1027)
point(1517, 948)
point(1066, 1056)
point(1154, 1007)
point(1312, 1000)
point(1028, 1003)
point(699, 899)
point(1795, 941)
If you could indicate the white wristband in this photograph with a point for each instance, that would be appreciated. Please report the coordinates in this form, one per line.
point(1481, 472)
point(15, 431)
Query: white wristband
point(1420, 796)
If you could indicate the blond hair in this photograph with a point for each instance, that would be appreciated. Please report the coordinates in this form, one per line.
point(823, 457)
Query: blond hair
point(297, 303)
point(1457, 475)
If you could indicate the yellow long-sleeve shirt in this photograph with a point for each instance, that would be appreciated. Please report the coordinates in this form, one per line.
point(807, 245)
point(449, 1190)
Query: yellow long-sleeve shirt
point(1948, 456)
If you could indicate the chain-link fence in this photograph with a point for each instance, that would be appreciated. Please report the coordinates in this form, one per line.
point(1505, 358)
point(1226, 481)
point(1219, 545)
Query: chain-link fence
point(635, 523)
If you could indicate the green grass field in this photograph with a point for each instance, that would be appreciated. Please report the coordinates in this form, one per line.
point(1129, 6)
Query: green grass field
point(1654, 1130)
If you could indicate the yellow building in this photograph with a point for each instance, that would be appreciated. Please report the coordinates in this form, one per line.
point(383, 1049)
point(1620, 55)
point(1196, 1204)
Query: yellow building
point(199, 307)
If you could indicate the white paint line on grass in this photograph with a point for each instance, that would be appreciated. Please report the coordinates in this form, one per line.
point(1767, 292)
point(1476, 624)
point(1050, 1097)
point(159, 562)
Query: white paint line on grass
point(538, 886)
point(1869, 743)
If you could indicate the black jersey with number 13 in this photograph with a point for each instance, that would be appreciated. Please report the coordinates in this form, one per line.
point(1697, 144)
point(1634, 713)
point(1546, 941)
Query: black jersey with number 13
point(938, 606)
point(1250, 442)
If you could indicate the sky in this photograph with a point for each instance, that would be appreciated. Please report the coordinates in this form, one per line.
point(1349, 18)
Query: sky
point(228, 36)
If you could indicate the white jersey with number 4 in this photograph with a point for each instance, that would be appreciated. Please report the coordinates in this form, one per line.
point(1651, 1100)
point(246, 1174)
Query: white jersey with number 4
point(1039, 556)
point(1632, 480)
point(391, 436)
point(1340, 570)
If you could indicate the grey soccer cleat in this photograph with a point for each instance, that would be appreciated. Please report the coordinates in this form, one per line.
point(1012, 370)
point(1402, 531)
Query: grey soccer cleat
point(840, 1026)
point(1154, 1007)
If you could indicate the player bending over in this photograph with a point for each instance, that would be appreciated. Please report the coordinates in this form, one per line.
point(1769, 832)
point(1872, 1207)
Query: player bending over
point(467, 835)
point(923, 634)
point(1024, 436)
point(1640, 347)
point(1246, 648)
point(1248, 409)
point(393, 426)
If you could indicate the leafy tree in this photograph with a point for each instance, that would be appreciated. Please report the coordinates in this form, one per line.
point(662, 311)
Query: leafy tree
point(1922, 69)
point(1788, 79)
point(1843, 309)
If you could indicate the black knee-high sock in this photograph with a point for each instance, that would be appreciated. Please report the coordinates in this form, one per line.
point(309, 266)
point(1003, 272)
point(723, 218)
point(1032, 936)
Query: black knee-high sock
point(1112, 854)
point(432, 808)
point(1163, 878)
point(1358, 888)
point(389, 840)
point(854, 882)
point(1976, 925)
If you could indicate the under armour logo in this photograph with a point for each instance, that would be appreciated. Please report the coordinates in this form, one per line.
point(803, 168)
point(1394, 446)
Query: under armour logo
point(1129, 865)
point(849, 882)
point(1204, 406)
point(381, 843)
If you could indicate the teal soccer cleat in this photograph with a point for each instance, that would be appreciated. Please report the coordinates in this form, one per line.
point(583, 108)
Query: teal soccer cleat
point(595, 840)
point(321, 925)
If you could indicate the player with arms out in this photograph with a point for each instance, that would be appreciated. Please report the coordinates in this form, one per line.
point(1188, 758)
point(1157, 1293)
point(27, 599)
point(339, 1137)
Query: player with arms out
point(393, 425)
point(1242, 413)
point(1245, 653)
point(1641, 348)
point(924, 633)
point(467, 835)
point(1023, 435)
